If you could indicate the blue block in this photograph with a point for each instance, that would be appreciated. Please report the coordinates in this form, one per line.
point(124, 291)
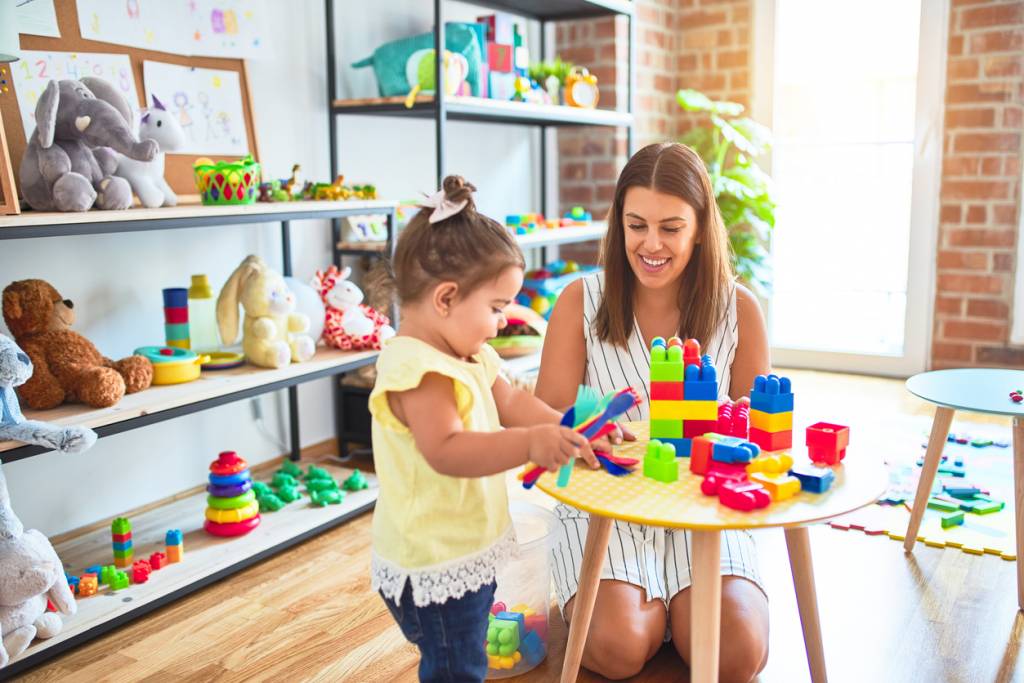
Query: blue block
point(95, 569)
point(734, 449)
point(516, 617)
point(532, 648)
point(699, 383)
point(125, 545)
point(771, 394)
point(813, 479)
point(72, 581)
point(173, 537)
point(682, 446)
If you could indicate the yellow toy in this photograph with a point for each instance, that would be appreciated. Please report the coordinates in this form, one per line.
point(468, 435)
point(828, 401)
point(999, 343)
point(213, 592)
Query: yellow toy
point(272, 333)
point(581, 88)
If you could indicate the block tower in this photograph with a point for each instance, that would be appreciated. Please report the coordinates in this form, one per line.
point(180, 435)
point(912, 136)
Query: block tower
point(121, 537)
point(684, 393)
point(771, 412)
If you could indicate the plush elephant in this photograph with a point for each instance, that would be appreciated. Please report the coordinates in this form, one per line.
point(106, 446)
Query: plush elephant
point(69, 162)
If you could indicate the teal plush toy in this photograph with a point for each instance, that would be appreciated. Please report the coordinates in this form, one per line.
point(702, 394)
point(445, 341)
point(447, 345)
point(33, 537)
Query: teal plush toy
point(389, 60)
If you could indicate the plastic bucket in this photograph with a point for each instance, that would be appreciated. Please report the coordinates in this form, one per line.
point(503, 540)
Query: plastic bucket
point(517, 636)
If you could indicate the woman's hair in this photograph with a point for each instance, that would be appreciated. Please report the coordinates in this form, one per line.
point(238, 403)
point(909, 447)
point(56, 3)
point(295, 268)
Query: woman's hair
point(675, 169)
point(467, 248)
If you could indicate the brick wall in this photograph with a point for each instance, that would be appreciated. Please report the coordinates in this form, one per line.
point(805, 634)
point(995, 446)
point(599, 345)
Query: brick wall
point(980, 193)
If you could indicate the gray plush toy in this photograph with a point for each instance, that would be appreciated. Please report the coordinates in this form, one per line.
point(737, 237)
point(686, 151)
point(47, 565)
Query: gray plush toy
point(15, 370)
point(69, 164)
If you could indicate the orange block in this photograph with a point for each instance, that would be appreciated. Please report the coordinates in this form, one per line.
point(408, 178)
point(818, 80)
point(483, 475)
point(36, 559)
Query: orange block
point(700, 454)
point(88, 584)
point(174, 553)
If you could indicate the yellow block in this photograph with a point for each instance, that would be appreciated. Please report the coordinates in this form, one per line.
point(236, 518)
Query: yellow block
point(700, 410)
point(779, 486)
point(122, 562)
point(237, 515)
point(774, 463)
point(670, 410)
point(771, 422)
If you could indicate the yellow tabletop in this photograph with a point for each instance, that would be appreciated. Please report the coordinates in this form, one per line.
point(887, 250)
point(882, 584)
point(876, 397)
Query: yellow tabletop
point(860, 480)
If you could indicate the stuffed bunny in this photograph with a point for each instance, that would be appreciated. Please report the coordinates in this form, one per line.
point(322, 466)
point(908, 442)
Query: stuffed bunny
point(30, 573)
point(349, 324)
point(272, 333)
point(15, 370)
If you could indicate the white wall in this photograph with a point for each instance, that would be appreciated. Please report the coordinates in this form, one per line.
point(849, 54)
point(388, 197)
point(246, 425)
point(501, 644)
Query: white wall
point(115, 280)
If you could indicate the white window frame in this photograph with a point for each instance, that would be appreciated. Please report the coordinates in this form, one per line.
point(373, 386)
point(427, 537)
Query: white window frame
point(926, 185)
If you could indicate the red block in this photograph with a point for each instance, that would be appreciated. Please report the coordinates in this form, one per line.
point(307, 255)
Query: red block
point(538, 623)
point(174, 315)
point(771, 441)
point(141, 570)
point(499, 58)
point(691, 352)
point(121, 538)
point(695, 428)
point(667, 391)
point(827, 442)
point(718, 474)
point(700, 455)
point(743, 496)
point(157, 561)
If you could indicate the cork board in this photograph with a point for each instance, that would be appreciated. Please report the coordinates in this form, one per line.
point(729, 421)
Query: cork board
point(178, 171)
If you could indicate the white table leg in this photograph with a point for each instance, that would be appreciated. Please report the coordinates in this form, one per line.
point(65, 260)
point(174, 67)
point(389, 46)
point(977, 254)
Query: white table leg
point(798, 541)
point(598, 531)
point(706, 606)
point(936, 442)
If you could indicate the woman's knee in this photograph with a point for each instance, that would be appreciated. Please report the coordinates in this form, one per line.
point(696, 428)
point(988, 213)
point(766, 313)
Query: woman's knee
point(744, 651)
point(618, 650)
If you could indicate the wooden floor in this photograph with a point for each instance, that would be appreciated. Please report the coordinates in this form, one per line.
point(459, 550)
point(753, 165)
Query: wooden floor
point(938, 615)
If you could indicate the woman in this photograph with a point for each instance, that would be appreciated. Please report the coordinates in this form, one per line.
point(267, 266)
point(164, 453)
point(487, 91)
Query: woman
point(666, 272)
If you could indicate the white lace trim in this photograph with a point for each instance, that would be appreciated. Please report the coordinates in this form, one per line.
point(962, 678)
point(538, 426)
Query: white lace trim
point(442, 582)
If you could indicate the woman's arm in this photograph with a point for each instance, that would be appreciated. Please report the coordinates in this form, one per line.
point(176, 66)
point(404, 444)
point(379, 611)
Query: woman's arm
point(564, 358)
point(752, 355)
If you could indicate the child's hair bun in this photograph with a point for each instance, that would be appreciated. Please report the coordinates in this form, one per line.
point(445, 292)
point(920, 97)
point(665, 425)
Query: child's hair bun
point(458, 189)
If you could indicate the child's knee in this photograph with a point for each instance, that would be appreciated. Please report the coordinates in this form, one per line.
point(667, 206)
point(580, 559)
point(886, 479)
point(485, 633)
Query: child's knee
point(618, 652)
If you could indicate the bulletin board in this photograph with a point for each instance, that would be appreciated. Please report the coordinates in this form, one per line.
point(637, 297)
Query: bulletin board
point(178, 171)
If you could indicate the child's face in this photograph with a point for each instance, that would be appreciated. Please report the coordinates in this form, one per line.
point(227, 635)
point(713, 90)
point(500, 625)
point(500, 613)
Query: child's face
point(660, 232)
point(474, 318)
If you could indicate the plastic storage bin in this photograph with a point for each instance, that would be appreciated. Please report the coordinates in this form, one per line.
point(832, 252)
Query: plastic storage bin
point(517, 636)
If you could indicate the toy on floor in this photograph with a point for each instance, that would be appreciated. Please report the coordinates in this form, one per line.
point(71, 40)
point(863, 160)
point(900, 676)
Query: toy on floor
point(147, 177)
point(31, 574)
point(232, 509)
point(68, 368)
point(771, 412)
point(121, 538)
point(349, 324)
point(15, 369)
point(69, 162)
point(272, 333)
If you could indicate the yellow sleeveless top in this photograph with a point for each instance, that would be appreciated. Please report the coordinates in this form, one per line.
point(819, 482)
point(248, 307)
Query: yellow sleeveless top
point(445, 535)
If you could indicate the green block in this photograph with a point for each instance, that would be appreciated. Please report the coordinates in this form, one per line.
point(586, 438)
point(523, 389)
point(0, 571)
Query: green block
point(107, 574)
point(123, 554)
point(660, 462)
point(120, 580)
point(667, 372)
point(986, 507)
point(120, 525)
point(502, 637)
point(666, 429)
point(942, 506)
point(953, 519)
point(981, 443)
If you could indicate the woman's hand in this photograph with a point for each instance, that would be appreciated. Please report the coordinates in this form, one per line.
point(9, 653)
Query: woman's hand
point(606, 443)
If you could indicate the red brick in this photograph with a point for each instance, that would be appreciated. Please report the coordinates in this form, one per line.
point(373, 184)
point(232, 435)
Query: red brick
point(594, 144)
point(570, 143)
point(974, 117)
point(706, 81)
point(987, 308)
point(974, 331)
point(686, 62)
point(965, 93)
point(996, 41)
point(980, 237)
point(700, 19)
point(950, 213)
point(703, 39)
point(1002, 262)
point(962, 260)
point(1012, 117)
point(961, 165)
point(1004, 214)
point(970, 284)
point(992, 15)
point(574, 171)
point(604, 28)
point(992, 166)
point(739, 80)
point(976, 214)
point(1001, 356)
point(732, 59)
point(1008, 65)
point(986, 142)
point(956, 45)
point(663, 83)
point(583, 194)
point(952, 352)
point(741, 13)
point(962, 69)
point(1011, 165)
point(949, 304)
point(977, 189)
point(961, 3)
point(605, 194)
point(603, 170)
point(724, 38)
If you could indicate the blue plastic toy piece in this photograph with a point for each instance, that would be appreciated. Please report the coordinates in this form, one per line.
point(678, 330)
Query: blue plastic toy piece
point(733, 449)
point(813, 479)
point(122, 545)
point(701, 382)
point(532, 648)
point(230, 479)
point(771, 394)
point(96, 569)
point(517, 617)
point(682, 446)
point(173, 537)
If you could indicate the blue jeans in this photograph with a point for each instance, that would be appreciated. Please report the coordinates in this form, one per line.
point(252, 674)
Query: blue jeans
point(450, 636)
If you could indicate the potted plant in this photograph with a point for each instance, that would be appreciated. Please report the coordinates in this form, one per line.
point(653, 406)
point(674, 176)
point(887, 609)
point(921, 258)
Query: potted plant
point(556, 70)
point(729, 144)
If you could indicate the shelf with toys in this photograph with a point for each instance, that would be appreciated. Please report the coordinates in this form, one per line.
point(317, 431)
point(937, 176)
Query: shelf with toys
point(560, 10)
point(205, 558)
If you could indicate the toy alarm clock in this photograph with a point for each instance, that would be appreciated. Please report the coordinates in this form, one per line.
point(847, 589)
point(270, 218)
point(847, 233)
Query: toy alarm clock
point(581, 88)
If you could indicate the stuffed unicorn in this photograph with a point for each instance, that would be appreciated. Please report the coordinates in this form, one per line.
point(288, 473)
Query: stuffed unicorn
point(349, 324)
point(147, 177)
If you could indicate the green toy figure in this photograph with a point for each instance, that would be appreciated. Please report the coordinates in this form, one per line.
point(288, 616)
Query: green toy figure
point(329, 497)
point(356, 482)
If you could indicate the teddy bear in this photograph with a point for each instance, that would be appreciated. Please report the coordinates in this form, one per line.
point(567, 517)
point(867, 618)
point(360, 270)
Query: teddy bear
point(272, 333)
point(15, 369)
point(349, 324)
point(30, 574)
point(68, 368)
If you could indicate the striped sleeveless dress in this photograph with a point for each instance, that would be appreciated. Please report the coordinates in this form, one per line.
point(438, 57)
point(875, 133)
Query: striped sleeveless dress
point(653, 558)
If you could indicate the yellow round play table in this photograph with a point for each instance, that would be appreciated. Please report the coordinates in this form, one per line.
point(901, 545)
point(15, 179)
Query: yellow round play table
point(860, 481)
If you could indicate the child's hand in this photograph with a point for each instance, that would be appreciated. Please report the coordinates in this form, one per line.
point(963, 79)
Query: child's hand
point(552, 446)
point(620, 434)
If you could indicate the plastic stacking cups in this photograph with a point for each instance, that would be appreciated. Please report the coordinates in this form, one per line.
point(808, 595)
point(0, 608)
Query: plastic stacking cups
point(176, 331)
point(231, 509)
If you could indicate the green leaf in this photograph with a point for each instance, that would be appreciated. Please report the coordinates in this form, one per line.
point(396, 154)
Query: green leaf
point(733, 135)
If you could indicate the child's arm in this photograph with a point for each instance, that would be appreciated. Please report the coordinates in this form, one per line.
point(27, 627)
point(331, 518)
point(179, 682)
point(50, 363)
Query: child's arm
point(752, 355)
point(518, 408)
point(430, 413)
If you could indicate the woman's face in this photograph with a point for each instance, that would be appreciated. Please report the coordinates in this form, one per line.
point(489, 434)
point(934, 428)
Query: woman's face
point(660, 232)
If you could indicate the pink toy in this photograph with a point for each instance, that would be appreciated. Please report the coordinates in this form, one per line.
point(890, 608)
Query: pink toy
point(349, 324)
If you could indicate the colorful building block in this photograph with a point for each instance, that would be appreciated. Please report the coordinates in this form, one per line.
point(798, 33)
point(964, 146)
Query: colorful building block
point(668, 410)
point(175, 553)
point(771, 463)
point(517, 617)
point(771, 394)
point(700, 454)
point(734, 419)
point(121, 538)
point(813, 478)
point(141, 569)
point(694, 428)
point(122, 546)
point(157, 561)
point(660, 462)
point(700, 410)
point(667, 391)
point(701, 382)
point(537, 623)
point(771, 422)
point(988, 507)
point(667, 429)
point(682, 446)
point(771, 441)
point(119, 581)
point(779, 486)
point(666, 362)
point(827, 442)
point(532, 648)
point(107, 574)
point(733, 449)
point(691, 352)
point(87, 585)
point(718, 474)
point(173, 537)
point(952, 519)
point(743, 495)
point(502, 637)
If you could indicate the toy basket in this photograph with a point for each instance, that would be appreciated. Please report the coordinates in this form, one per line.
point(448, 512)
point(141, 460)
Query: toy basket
point(227, 182)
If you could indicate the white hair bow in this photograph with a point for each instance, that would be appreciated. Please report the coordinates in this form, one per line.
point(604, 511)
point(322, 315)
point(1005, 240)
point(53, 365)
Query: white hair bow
point(442, 206)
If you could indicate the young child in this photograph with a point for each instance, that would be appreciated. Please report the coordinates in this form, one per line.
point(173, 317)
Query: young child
point(441, 526)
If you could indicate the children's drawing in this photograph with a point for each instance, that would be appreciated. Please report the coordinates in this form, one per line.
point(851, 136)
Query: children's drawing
point(206, 102)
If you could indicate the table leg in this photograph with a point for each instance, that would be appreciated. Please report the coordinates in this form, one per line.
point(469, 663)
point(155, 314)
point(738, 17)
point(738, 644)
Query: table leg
point(936, 442)
point(798, 541)
point(1018, 502)
point(706, 606)
point(598, 531)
